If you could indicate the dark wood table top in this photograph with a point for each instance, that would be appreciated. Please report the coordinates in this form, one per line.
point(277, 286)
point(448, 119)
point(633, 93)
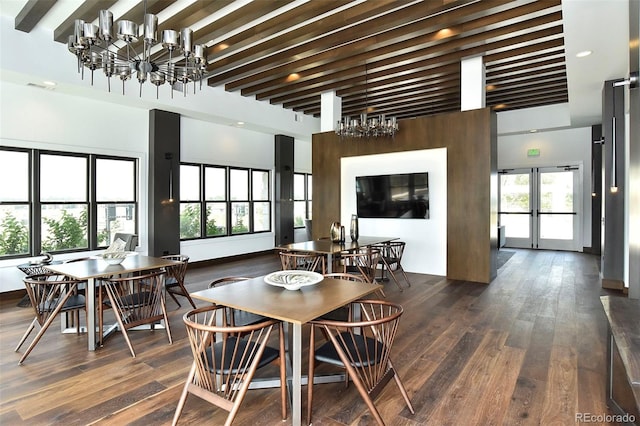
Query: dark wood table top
point(294, 306)
point(329, 247)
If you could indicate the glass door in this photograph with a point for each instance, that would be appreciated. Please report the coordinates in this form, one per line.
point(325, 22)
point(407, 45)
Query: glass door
point(558, 210)
point(516, 208)
point(541, 208)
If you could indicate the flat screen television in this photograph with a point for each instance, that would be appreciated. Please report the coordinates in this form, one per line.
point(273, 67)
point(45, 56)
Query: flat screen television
point(404, 196)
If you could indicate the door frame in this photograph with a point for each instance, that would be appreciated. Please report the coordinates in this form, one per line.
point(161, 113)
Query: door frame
point(534, 218)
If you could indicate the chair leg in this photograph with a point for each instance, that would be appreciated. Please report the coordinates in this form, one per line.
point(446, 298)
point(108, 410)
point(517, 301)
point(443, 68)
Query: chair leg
point(26, 334)
point(185, 293)
point(403, 391)
point(183, 395)
point(393, 275)
point(166, 321)
point(311, 372)
point(364, 394)
point(405, 275)
point(174, 298)
point(118, 316)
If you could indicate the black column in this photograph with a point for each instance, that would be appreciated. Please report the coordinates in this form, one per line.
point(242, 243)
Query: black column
point(596, 189)
point(613, 205)
point(284, 189)
point(164, 183)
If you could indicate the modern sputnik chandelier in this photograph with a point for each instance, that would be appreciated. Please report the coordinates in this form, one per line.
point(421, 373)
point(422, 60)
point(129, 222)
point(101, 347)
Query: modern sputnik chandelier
point(96, 46)
point(367, 127)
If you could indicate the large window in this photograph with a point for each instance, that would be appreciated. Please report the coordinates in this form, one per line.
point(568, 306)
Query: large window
point(15, 203)
point(61, 202)
point(223, 201)
point(301, 198)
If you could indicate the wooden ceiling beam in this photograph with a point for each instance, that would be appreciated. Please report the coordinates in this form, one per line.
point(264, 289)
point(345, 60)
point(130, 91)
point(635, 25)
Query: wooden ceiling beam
point(185, 18)
point(457, 46)
point(31, 13)
point(361, 50)
point(273, 26)
point(87, 11)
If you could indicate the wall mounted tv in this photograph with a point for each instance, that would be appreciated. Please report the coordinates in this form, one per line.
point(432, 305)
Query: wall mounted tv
point(404, 196)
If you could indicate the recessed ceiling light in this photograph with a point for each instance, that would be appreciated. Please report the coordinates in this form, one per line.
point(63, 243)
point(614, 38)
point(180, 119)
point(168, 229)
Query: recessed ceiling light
point(533, 131)
point(293, 76)
point(49, 83)
point(240, 123)
point(445, 32)
point(583, 54)
point(500, 106)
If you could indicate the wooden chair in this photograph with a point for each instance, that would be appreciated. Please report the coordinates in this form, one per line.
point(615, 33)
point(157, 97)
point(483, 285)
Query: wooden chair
point(362, 347)
point(391, 259)
point(174, 282)
point(50, 295)
point(224, 363)
point(136, 301)
point(236, 317)
point(363, 263)
point(302, 261)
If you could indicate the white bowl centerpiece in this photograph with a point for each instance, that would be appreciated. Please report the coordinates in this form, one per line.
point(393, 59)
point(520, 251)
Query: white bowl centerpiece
point(114, 257)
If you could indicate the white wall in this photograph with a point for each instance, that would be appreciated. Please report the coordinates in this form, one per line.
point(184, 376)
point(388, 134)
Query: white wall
point(31, 117)
point(210, 143)
point(559, 147)
point(426, 250)
point(37, 118)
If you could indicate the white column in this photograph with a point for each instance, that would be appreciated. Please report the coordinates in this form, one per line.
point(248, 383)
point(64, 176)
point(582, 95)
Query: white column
point(472, 83)
point(330, 111)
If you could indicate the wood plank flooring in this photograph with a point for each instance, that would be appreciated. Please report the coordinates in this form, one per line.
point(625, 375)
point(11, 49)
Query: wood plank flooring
point(527, 349)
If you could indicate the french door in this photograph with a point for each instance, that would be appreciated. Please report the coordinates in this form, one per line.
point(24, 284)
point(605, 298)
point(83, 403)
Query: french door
point(541, 207)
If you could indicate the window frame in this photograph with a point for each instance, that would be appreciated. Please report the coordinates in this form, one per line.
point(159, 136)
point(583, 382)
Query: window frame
point(306, 199)
point(228, 202)
point(36, 204)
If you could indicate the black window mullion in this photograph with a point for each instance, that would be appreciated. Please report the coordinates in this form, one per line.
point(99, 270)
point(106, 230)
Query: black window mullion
point(36, 206)
point(228, 198)
point(203, 202)
point(92, 208)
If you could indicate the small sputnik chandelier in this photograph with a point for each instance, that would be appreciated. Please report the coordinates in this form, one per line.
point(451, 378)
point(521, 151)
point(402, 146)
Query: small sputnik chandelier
point(363, 127)
point(96, 46)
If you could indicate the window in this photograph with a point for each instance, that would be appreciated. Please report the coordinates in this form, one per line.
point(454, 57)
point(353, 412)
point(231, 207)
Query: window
point(80, 201)
point(15, 206)
point(215, 183)
point(233, 201)
point(64, 202)
point(301, 198)
point(190, 217)
point(115, 198)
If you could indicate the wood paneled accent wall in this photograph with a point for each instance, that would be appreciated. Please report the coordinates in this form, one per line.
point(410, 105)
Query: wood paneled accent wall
point(472, 185)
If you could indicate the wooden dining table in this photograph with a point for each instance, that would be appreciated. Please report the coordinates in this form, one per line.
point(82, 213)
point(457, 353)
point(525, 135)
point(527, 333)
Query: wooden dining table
point(94, 268)
point(330, 248)
point(294, 307)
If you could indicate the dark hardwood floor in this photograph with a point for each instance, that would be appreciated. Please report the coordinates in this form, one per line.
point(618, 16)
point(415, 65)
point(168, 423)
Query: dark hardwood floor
point(527, 349)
